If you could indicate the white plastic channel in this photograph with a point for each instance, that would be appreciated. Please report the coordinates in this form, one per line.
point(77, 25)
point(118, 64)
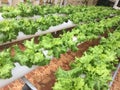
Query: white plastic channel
point(17, 72)
point(22, 36)
point(114, 76)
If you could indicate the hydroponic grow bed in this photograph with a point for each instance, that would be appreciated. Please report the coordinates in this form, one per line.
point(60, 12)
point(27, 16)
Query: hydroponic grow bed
point(59, 49)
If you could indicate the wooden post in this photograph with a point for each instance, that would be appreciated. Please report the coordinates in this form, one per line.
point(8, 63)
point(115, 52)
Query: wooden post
point(91, 2)
point(41, 2)
point(56, 2)
point(0, 3)
point(61, 2)
point(35, 2)
point(65, 2)
point(115, 5)
point(15, 2)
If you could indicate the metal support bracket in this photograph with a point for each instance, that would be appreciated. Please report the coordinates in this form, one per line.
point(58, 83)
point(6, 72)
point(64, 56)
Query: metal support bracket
point(28, 85)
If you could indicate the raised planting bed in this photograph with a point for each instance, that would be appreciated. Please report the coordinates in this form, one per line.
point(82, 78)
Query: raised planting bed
point(55, 31)
point(55, 66)
point(66, 41)
point(48, 16)
point(92, 70)
point(23, 69)
point(58, 48)
point(43, 78)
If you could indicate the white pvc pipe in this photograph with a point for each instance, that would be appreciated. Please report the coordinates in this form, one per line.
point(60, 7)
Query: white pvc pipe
point(17, 72)
point(114, 76)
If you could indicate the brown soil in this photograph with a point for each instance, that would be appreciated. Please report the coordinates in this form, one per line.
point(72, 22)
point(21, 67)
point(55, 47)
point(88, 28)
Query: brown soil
point(116, 83)
point(15, 85)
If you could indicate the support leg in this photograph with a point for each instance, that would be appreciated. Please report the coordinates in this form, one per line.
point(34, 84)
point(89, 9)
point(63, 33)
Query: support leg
point(115, 5)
